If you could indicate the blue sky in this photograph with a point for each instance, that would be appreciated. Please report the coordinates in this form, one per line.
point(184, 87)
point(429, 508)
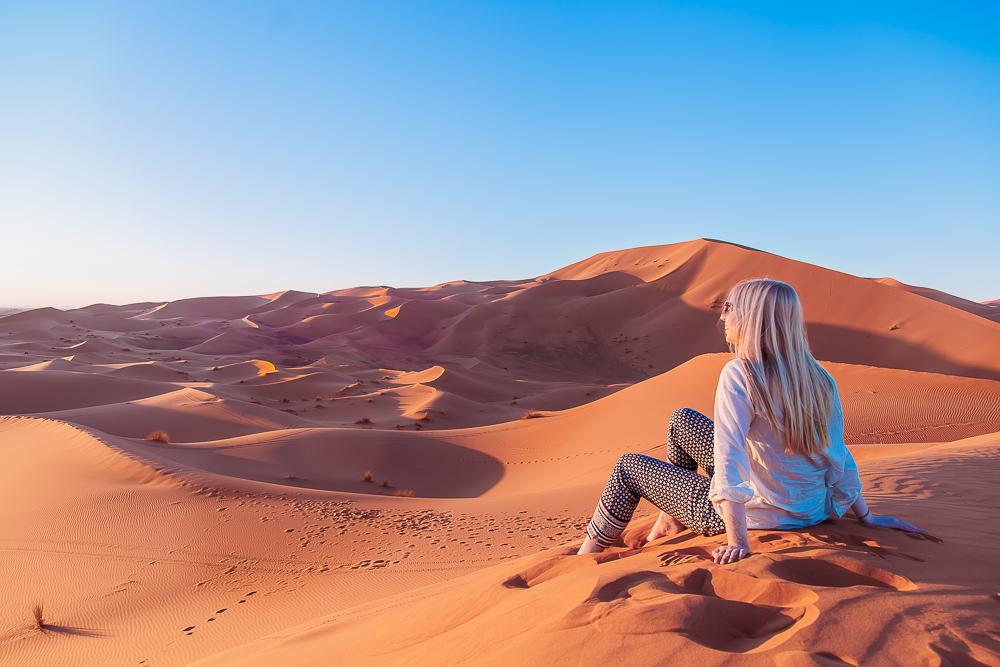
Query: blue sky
point(157, 150)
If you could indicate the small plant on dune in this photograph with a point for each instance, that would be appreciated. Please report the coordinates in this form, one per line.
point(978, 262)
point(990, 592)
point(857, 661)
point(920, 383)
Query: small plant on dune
point(38, 616)
point(158, 436)
point(363, 421)
point(367, 477)
point(285, 400)
point(385, 483)
point(408, 493)
point(532, 414)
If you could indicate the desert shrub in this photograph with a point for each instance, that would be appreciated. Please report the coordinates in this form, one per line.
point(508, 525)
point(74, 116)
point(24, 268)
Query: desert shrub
point(408, 493)
point(367, 477)
point(38, 617)
point(363, 421)
point(158, 436)
point(532, 414)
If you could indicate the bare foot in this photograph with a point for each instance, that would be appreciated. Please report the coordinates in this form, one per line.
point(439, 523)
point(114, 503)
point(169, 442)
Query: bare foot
point(665, 525)
point(589, 546)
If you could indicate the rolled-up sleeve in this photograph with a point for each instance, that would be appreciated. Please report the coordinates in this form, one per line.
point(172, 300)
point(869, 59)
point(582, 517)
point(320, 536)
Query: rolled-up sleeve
point(842, 477)
point(733, 414)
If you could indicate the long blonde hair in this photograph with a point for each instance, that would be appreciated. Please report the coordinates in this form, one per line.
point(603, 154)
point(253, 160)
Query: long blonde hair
point(786, 383)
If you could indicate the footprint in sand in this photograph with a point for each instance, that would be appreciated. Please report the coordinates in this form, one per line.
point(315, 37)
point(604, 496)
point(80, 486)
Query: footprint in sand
point(720, 609)
point(837, 571)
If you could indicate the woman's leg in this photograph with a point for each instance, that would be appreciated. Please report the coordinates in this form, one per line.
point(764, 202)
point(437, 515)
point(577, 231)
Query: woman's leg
point(689, 444)
point(678, 491)
point(690, 440)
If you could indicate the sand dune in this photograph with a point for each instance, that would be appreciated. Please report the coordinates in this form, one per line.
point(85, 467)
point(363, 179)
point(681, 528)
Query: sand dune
point(47, 389)
point(988, 309)
point(487, 416)
point(186, 414)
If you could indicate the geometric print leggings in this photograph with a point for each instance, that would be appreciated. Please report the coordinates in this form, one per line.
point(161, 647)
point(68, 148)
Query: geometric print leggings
point(672, 485)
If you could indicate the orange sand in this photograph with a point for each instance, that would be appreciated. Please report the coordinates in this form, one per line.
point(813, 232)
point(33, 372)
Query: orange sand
point(250, 537)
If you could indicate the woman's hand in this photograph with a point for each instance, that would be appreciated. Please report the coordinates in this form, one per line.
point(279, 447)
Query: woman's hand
point(735, 517)
point(893, 522)
point(729, 553)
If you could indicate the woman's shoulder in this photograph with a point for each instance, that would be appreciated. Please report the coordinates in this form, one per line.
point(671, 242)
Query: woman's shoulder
point(733, 371)
point(732, 381)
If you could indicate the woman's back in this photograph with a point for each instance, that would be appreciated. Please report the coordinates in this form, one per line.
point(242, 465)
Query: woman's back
point(780, 489)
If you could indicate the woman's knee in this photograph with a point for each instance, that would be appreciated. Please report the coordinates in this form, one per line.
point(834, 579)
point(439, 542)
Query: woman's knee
point(681, 415)
point(628, 461)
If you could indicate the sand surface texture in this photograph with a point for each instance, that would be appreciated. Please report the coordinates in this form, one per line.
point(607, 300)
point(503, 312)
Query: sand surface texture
point(489, 415)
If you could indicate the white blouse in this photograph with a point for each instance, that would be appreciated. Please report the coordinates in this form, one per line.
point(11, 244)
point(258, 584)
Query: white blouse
point(778, 489)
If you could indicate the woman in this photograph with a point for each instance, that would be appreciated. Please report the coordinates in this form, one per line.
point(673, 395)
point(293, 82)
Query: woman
point(775, 456)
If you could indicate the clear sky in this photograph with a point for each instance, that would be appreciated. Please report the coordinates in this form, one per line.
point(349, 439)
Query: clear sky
point(158, 150)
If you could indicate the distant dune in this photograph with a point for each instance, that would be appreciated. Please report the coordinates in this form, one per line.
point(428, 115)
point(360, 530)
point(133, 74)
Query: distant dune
point(185, 482)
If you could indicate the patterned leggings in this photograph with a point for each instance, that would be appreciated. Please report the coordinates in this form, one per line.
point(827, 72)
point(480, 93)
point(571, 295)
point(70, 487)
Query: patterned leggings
point(672, 485)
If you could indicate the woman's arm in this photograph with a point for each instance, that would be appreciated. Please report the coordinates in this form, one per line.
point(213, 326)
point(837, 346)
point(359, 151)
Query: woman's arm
point(861, 510)
point(738, 543)
point(730, 487)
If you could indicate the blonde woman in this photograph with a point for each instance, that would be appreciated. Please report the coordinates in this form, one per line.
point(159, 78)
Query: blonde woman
point(775, 455)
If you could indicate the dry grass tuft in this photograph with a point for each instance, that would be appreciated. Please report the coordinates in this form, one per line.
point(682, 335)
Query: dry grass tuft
point(38, 616)
point(158, 436)
point(363, 420)
point(367, 477)
point(532, 414)
point(408, 493)
point(385, 483)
